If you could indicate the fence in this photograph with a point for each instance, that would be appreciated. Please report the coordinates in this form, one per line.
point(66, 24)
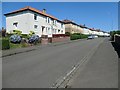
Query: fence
point(117, 39)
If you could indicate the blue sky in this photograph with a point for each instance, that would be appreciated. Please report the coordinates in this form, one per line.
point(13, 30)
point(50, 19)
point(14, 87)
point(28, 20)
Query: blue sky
point(100, 15)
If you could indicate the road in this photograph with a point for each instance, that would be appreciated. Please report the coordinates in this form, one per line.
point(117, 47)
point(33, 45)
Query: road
point(43, 67)
point(100, 72)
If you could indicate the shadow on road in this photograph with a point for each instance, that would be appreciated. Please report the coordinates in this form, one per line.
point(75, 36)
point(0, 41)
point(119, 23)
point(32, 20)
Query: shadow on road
point(117, 48)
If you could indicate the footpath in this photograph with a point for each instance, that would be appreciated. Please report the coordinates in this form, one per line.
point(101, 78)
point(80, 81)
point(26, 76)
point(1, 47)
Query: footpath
point(32, 48)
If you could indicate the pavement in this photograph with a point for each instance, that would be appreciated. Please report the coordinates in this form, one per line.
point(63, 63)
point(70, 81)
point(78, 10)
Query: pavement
point(45, 66)
point(100, 72)
point(32, 48)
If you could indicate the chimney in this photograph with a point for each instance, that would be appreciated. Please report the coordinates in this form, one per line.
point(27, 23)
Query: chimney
point(44, 10)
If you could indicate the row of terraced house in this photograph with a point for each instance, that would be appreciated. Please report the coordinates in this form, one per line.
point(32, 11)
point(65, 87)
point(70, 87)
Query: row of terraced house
point(43, 24)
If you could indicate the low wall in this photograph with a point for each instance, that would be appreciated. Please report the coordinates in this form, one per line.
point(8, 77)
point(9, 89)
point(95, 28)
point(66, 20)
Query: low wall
point(117, 39)
point(60, 39)
point(54, 39)
point(44, 40)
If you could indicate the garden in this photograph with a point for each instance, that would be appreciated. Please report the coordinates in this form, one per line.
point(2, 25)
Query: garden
point(18, 40)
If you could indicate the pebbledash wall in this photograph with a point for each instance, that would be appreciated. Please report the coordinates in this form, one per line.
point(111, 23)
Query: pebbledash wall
point(30, 19)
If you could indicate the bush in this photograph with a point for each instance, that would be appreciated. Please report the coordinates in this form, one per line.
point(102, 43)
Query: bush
point(76, 36)
point(83, 36)
point(8, 35)
point(18, 32)
point(24, 45)
point(5, 43)
point(34, 39)
point(25, 36)
point(15, 39)
point(31, 33)
point(67, 33)
point(13, 46)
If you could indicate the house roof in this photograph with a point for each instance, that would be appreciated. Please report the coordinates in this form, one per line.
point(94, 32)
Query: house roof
point(66, 21)
point(34, 10)
point(83, 26)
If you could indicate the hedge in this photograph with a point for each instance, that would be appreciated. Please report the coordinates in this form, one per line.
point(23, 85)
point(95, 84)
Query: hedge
point(76, 36)
point(5, 43)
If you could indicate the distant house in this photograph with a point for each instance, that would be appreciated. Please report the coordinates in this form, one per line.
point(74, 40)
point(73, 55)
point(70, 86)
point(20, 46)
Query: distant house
point(86, 30)
point(72, 27)
point(30, 19)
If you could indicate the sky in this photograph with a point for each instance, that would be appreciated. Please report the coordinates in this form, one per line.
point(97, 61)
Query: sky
point(98, 15)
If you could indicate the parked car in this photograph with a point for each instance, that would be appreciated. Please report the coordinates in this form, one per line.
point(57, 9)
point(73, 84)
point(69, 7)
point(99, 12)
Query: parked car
point(95, 36)
point(90, 37)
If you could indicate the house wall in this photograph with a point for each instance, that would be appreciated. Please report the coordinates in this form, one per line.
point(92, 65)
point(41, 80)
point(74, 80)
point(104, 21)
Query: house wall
point(85, 31)
point(26, 24)
point(73, 28)
point(22, 18)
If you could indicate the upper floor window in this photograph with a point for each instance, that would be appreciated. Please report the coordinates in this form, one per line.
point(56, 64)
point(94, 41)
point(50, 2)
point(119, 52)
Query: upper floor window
point(48, 20)
point(54, 22)
point(35, 16)
point(15, 24)
point(35, 26)
point(62, 25)
point(58, 30)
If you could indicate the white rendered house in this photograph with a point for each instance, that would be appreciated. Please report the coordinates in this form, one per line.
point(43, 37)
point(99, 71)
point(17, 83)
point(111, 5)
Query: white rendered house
point(87, 31)
point(30, 19)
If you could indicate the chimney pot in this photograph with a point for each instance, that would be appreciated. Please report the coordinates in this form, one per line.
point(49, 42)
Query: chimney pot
point(44, 10)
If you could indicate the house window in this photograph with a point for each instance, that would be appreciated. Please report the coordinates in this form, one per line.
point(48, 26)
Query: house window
point(62, 31)
point(35, 26)
point(48, 20)
point(35, 16)
point(54, 22)
point(55, 31)
point(58, 30)
point(15, 24)
point(46, 30)
point(61, 25)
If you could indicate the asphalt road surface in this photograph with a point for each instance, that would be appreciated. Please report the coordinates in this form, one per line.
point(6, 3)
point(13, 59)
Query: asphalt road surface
point(43, 67)
point(101, 71)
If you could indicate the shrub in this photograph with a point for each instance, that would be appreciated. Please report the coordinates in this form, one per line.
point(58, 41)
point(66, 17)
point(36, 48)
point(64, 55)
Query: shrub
point(13, 46)
point(67, 33)
point(15, 39)
point(25, 36)
point(74, 37)
point(5, 43)
point(77, 36)
point(31, 33)
point(8, 35)
point(24, 45)
point(83, 36)
point(18, 32)
point(34, 39)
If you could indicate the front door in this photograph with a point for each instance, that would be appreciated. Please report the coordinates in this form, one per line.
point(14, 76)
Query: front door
point(43, 30)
